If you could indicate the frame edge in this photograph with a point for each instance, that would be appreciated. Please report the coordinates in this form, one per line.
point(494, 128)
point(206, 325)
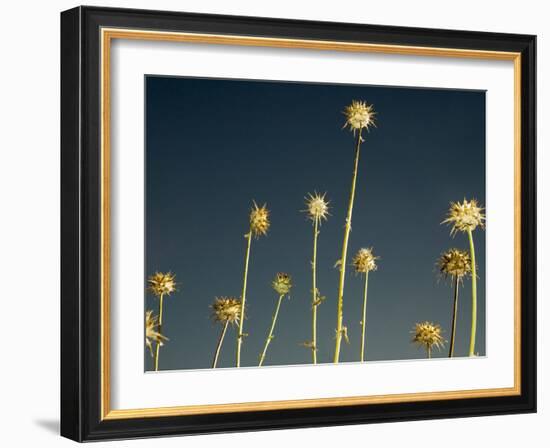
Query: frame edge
point(529, 223)
point(71, 379)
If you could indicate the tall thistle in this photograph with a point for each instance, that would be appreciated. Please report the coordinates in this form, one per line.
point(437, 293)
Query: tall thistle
point(225, 310)
point(161, 285)
point(359, 116)
point(282, 285)
point(428, 335)
point(317, 210)
point(259, 225)
point(466, 217)
point(152, 333)
point(364, 262)
point(454, 263)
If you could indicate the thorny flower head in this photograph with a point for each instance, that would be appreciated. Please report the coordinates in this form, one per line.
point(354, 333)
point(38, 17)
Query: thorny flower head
point(465, 216)
point(282, 283)
point(359, 115)
point(226, 309)
point(160, 283)
point(317, 207)
point(151, 331)
point(455, 263)
point(364, 261)
point(259, 220)
point(428, 334)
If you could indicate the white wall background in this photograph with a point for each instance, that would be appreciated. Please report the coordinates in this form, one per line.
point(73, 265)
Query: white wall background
point(29, 224)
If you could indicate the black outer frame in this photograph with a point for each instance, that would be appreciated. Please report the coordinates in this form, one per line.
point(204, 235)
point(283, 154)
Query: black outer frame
point(80, 224)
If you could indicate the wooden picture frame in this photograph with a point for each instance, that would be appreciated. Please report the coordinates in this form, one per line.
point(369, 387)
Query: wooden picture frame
point(86, 35)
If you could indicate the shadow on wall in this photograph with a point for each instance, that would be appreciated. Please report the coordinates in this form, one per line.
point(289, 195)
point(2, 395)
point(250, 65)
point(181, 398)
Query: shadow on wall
point(51, 426)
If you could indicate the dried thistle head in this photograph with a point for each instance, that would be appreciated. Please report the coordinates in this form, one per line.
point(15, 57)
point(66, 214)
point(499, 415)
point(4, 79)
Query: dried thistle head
point(359, 115)
point(317, 207)
point(428, 334)
point(226, 309)
point(282, 283)
point(455, 263)
point(464, 216)
point(161, 283)
point(151, 331)
point(364, 261)
point(259, 220)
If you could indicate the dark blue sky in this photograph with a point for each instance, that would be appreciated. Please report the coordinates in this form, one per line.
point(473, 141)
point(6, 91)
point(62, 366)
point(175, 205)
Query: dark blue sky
point(212, 146)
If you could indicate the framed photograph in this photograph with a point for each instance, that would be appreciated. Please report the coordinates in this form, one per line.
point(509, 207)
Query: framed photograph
point(275, 224)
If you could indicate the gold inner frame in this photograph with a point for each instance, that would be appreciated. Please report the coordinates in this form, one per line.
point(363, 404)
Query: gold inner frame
point(107, 35)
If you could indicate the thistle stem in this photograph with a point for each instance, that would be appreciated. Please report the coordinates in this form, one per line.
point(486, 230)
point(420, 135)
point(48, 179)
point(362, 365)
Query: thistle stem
point(240, 335)
point(340, 304)
point(314, 302)
point(220, 342)
point(157, 351)
point(474, 294)
point(429, 350)
point(453, 322)
point(270, 335)
point(364, 319)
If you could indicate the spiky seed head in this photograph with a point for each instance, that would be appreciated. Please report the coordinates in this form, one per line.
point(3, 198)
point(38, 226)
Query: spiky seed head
point(151, 331)
point(364, 261)
point(464, 216)
point(317, 207)
point(226, 309)
point(455, 263)
point(359, 115)
point(259, 220)
point(282, 283)
point(161, 283)
point(428, 334)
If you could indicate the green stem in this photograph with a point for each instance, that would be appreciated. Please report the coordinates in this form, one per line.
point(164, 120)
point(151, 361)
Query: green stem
point(157, 351)
point(429, 350)
point(240, 335)
point(220, 342)
point(315, 293)
point(340, 304)
point(270, 335)
point(474, 295)
point(364, 319)
point(453, 322)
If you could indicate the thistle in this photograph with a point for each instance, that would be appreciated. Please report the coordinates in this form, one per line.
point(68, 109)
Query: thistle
point(161, 284)
point(282, 284)
point(317, 210)
point(466, 217)
point(258, 226)
point(151, 331)
point(359, 116)
point(225, 310)
point(259, 220)
point(428, 335)
point(364, 262)
point(317, 207)
point(455, 264)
